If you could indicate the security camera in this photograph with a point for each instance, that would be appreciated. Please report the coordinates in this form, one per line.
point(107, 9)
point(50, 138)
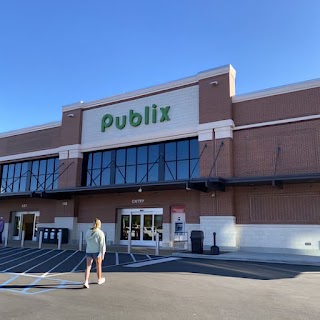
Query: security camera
point(214, 83)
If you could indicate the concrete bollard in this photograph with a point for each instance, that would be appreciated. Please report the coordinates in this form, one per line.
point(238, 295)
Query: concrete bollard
point(59, 236)
point(6, 238)
point(80, 240)
point(40, 239)
point(157, 244)
point(23, 234)
point(129, 242)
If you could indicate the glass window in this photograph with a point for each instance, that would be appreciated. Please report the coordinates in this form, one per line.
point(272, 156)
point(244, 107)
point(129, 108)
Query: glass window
point(183, 150)
point(121, 157)
point(120, 175)
point(170, 151)
point(131, 174)
point(131, 156)
point(153, 153)
point(96, 160)
point(183, 169)
point(142, 163)
point(194, 149)
point(142, 155)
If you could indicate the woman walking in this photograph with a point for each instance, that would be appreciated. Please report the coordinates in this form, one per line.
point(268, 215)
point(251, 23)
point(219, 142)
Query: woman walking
point(95, 250)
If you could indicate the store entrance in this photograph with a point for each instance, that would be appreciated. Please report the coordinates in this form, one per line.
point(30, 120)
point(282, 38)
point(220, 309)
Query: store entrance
point(143, 225)
point(25, 221)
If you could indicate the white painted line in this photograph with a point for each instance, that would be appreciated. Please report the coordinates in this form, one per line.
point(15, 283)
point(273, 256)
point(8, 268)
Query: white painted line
point(58, 254)
point(133, 258)
point(20, 258)
point(27, 261)
point(46, 273)
point(13, 253)
point(117, 258)
point(75, 268)
point(148, 257)
point(148, 263)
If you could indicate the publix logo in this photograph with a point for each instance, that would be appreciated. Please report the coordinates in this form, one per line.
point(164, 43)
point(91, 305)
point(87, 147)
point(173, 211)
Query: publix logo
point(151, 115)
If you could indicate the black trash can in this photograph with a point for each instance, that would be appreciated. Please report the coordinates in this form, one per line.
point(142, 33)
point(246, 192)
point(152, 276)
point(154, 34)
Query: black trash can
point(197, 241)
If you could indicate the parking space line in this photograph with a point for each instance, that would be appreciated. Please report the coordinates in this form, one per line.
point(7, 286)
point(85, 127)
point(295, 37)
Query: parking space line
point(46, 273)
point(58, 254)
point(117, 258)
point(133, 258)
point(14, 254)
point(21, 257)
point(148, 257)
point(9, 280)
point(150, 262)
point(76, 267)
point(26, 261)
point(31, 285)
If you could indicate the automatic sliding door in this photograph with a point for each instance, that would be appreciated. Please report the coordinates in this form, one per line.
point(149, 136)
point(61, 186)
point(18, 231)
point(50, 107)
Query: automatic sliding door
point(135, 227)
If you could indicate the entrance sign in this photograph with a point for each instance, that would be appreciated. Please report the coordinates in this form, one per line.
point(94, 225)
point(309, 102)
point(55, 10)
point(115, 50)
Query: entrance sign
point(137, 201)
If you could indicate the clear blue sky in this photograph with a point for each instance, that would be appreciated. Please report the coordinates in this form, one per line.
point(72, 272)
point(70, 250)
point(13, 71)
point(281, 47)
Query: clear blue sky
point(57, 52)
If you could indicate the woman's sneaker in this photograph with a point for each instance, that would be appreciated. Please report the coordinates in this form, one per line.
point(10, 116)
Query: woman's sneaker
point(102, 280)
point(86, 285)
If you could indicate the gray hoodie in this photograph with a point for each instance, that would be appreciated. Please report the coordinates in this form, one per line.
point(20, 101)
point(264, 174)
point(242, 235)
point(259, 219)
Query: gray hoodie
point(95, 241)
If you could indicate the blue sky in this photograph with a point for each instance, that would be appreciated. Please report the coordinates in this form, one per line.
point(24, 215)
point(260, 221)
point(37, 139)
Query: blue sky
point(57, 52)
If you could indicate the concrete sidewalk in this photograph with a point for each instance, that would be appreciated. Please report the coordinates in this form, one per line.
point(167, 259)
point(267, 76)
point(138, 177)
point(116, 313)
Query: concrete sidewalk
point(313, 260)
point(240, 255)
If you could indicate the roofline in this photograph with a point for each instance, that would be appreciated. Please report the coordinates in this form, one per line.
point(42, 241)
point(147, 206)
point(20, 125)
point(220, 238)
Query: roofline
point(309, 84)
point(30, 129)
point(154, 89)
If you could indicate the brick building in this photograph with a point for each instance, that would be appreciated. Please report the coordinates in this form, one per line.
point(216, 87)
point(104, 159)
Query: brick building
point(182, 156)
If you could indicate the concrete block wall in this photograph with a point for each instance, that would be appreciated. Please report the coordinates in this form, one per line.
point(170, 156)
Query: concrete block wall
point(224, 226)
point(279, 237)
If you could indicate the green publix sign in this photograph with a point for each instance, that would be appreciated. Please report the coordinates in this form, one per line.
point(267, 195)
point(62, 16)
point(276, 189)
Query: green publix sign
point(135, 118)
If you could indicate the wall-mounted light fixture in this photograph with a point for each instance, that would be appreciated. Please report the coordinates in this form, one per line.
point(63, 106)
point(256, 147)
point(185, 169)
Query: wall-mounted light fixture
point(214, 83)
point(140, 189)
point(70, 115)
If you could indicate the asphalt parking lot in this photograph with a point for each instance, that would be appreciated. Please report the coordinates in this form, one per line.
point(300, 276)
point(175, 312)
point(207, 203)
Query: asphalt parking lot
point(47, 284)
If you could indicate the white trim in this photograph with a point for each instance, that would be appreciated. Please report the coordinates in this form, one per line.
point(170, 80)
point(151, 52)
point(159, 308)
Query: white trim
point(154, 89)
point(222, 129)
point(225, 132)
point(305, 85)
point(205, 135)
point(30, 129)
point(272, 123)
point(216, 124)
